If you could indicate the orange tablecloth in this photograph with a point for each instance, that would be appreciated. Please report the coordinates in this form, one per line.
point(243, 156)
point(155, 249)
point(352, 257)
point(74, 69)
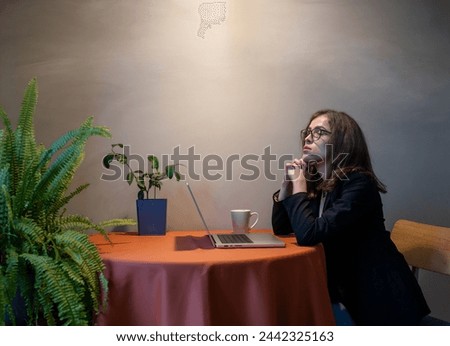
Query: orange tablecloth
point(180, 279)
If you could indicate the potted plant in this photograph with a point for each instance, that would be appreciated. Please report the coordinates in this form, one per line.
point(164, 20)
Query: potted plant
point(151, 212)
point(49, 269)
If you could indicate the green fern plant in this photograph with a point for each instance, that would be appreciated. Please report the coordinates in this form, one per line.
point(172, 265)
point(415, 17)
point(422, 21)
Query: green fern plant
point(46, 258)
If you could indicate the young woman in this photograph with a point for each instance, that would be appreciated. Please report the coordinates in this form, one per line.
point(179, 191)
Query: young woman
point(331, 195)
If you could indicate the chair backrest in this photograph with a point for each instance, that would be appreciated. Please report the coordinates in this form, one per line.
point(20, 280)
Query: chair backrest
point(424, 246)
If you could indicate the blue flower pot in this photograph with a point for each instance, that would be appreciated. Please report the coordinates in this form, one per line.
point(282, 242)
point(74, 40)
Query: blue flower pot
point(151, 215)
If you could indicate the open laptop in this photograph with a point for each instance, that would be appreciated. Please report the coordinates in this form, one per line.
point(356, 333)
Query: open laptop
point(226, 240)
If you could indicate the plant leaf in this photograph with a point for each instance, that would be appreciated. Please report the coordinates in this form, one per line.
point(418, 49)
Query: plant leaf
point(130, 177)
point(170, 171)
point(107, 160)
point(121, 158)
point(153, 161)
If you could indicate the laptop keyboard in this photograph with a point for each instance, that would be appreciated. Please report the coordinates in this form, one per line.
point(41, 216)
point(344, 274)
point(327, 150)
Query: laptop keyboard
point(234, 238)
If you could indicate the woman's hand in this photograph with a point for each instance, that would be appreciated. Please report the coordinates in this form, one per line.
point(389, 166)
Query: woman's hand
point(294, 179)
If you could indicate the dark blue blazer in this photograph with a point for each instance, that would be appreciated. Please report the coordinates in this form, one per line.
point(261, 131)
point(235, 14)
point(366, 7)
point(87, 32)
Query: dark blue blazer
point(365, 270)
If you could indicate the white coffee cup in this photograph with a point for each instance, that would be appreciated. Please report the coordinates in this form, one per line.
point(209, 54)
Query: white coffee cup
point(240, 218)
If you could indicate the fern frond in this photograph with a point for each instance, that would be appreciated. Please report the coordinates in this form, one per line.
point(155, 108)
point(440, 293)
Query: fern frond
point(1, 151)
point(81, 224)
point(4, 301)
point(8, 276)
point(104, 291)
point(25, 142)
point(8, 131)
point(51, 285)
point(117, 223)
point(64, 200)
point(88, 263)
point(76, 223)
point(29, 102)
point(24, 190)
point(46, 174)
point(7, 214)
point(7, 147)
point(59, 175)
point(32, 235)
point(4, 183)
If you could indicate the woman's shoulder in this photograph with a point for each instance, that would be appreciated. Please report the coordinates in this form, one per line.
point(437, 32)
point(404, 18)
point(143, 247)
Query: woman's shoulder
point(359, 178)
point(358, 175)
point(356, 186)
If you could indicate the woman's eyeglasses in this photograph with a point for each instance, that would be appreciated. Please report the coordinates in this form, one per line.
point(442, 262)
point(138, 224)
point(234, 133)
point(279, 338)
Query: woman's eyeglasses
point(316, 133)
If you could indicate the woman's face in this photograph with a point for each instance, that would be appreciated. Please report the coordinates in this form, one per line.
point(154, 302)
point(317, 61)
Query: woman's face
point(318, 135)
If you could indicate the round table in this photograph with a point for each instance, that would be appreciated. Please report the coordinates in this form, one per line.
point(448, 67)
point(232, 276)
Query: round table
point(181, 279)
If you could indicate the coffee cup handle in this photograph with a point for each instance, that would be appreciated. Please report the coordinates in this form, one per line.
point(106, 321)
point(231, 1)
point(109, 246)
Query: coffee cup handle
point(257, 218)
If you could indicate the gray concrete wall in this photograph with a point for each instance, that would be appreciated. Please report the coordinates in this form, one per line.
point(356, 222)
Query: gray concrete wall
point(141, 68)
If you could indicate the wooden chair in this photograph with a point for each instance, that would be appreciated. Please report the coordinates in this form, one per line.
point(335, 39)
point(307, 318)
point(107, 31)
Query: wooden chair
point(424, 246)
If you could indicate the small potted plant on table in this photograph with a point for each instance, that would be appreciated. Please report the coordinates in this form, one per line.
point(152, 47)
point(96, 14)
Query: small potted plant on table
point(151, 212)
